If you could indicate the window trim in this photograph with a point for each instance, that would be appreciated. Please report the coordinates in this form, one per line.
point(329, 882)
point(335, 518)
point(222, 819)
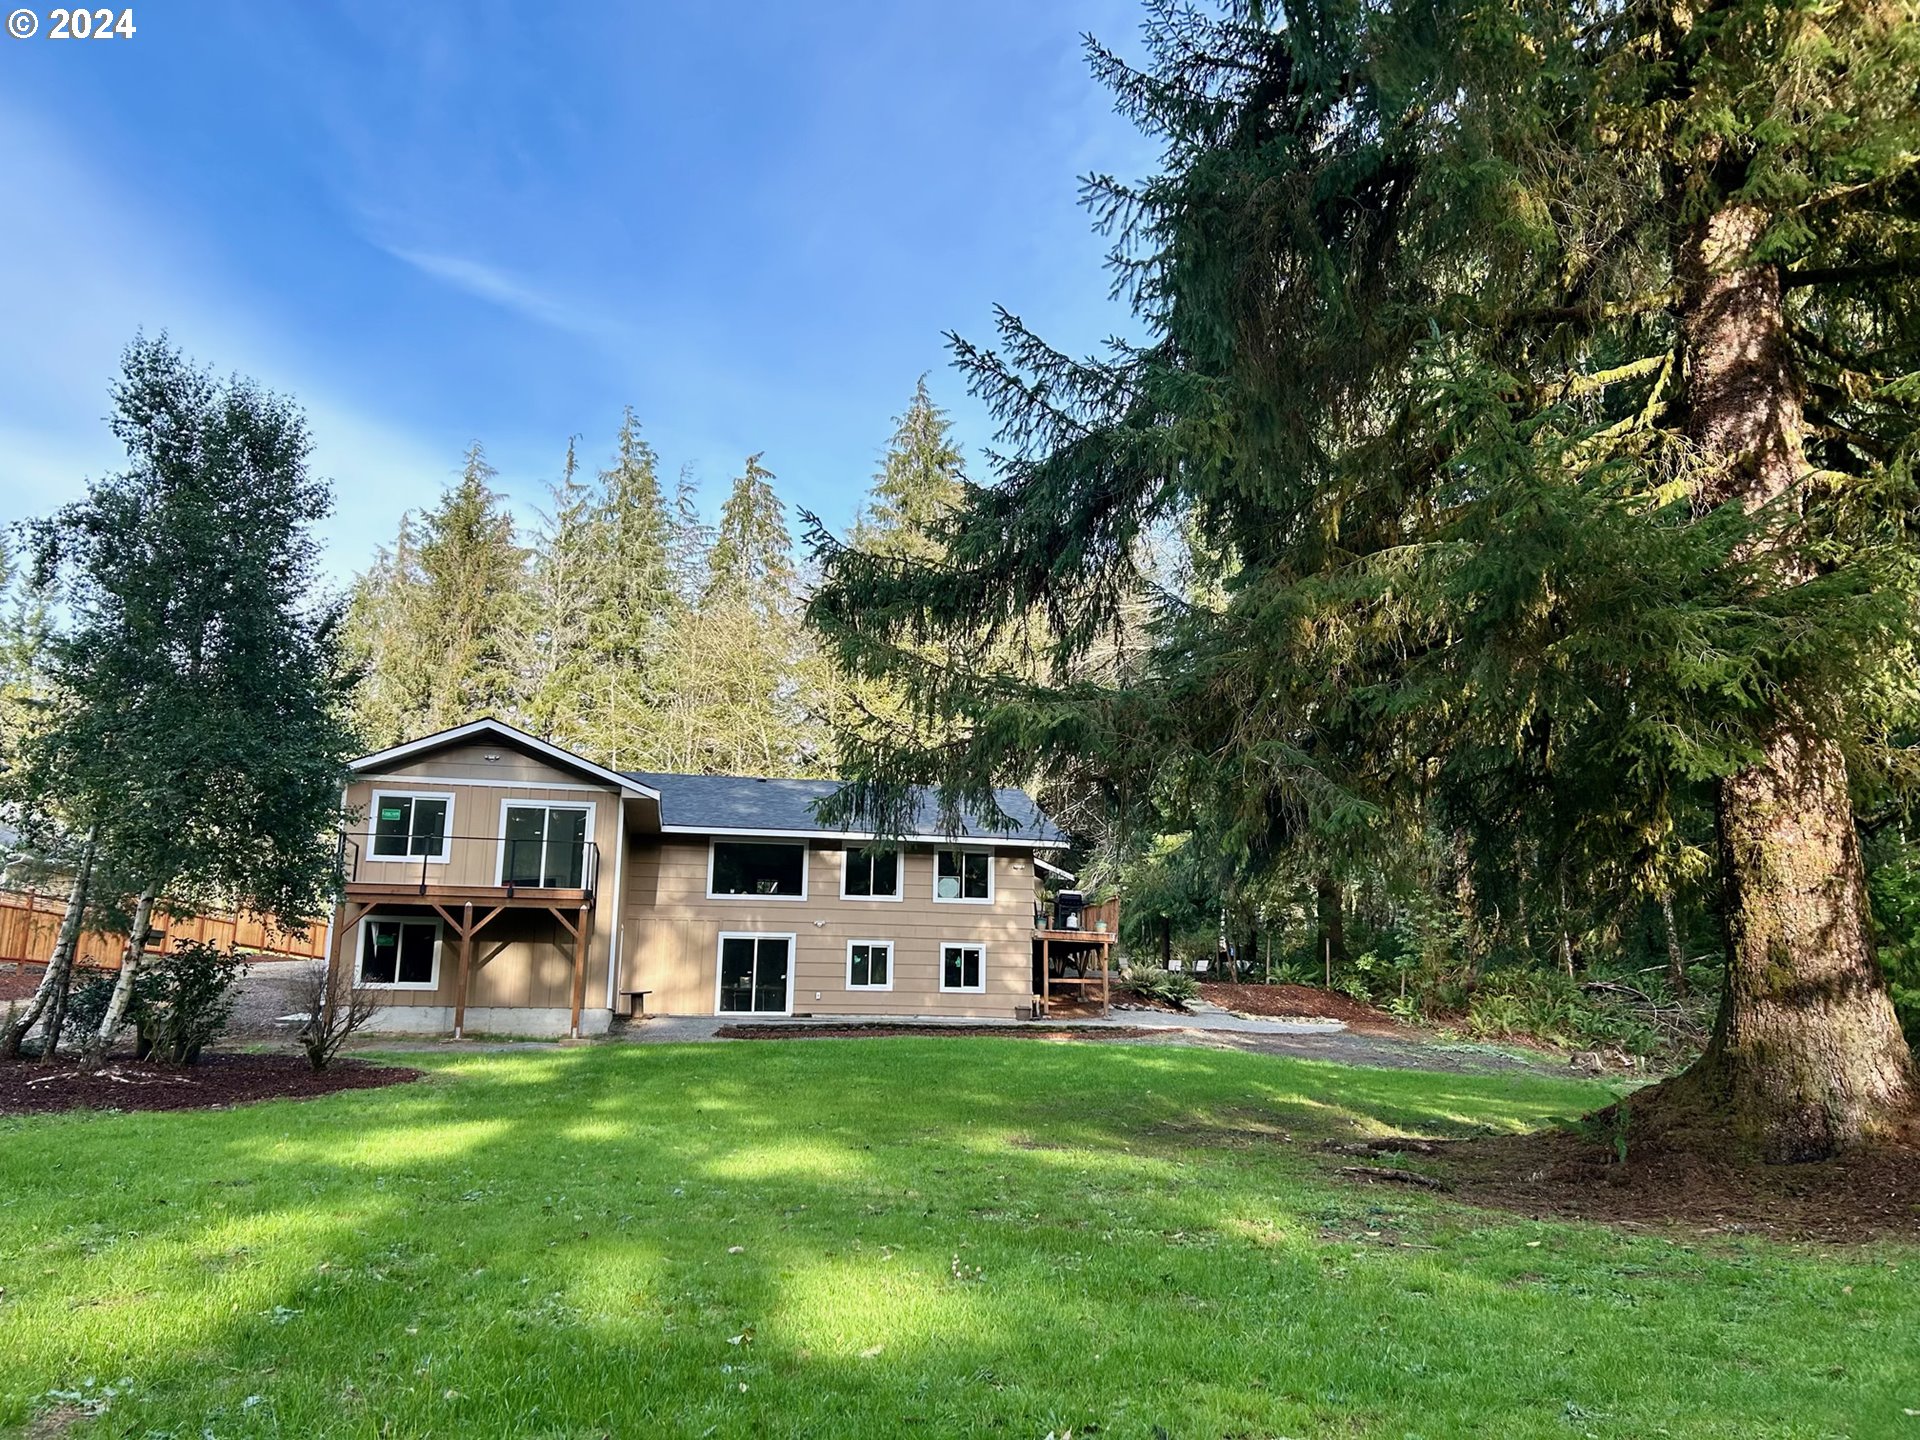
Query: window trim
point(806, 871)
point(793, 963)
point(446, 836)
point(360, 982)
point(892, 951)
point(963, 899)
point(529, 803)
point(946, 945)
point(899, 875)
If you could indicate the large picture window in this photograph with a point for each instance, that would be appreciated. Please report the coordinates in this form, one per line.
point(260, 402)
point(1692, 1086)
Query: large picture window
point(545, 846)
point(872, 874)
point(963, 875)
point(963, 967)
point(399, 954)
point(870, 965)
point(410, 826)
point(757, 869)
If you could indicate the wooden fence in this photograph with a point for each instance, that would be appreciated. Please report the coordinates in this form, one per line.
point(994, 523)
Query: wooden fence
point(30, 923)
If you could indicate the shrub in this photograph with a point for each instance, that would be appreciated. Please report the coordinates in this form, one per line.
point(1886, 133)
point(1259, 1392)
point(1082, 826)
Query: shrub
point(87, 1001)
point(1174, 987)
point(184, 999)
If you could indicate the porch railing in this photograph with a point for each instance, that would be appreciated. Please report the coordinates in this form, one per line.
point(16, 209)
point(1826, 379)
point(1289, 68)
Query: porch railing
point(470, 862)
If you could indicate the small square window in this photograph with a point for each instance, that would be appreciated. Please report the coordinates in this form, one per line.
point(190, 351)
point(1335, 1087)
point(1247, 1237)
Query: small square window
point(410, 826)
point(871, 874)
point(870, 965)
point(963, 967)
point(400, 953)
point(963, 875)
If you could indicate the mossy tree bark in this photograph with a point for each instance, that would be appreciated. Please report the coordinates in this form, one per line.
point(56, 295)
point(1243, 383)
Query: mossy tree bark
point(1807, 1058)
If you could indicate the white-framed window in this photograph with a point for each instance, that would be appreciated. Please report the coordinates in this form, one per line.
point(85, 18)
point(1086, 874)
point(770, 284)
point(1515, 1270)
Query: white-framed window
point(410, 825)
point(963, 967)
point(872, 873)
point(869, 965)
point(398, 952)
point(757, 870)
point(754, 974)
point(543, 844)
point(963, 877)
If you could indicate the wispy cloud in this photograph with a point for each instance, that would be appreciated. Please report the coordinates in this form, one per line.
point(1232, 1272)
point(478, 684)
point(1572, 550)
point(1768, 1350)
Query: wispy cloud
point(510, 293)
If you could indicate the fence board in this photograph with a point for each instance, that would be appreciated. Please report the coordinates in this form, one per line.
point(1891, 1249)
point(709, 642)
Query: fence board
point(30, 924)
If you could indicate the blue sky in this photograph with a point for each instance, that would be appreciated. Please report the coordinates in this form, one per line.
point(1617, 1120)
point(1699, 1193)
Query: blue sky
point(440, 222)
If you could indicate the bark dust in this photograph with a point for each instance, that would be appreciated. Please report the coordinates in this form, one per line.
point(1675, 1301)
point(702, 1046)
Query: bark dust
point(217, 1082)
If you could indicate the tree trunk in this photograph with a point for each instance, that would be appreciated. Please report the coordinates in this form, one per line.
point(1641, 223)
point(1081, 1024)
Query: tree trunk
point(1807, 1058)
point(1676, 953)
point(59, 971)
point(102, 1039)
point(1333, 925)
point(1566, 933)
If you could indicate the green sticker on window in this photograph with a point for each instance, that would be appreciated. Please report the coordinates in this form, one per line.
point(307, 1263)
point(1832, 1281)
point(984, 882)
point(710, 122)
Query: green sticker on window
point(391, 812)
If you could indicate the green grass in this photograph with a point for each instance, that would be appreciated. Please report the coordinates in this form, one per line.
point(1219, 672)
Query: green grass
point(889, 1237)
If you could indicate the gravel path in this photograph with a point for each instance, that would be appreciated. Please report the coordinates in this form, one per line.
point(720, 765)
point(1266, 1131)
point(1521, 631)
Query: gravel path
point(273, 990)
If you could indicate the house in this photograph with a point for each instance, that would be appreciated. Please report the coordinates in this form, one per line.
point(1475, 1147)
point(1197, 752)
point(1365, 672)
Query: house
point(495, 882)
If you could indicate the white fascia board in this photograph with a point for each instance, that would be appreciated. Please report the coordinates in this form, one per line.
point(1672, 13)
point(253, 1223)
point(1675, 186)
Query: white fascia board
point(507, 732)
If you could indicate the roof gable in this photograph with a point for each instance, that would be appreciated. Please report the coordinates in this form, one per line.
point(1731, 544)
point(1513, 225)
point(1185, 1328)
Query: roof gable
point(506, 734)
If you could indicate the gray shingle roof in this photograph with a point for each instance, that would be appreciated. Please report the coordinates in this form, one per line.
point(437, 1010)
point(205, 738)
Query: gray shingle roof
point(744, 802)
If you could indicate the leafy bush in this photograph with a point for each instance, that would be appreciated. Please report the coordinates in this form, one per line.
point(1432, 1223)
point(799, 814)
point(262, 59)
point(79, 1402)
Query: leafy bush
point(1174, 987)
point(87, 1001)
point(184, 999)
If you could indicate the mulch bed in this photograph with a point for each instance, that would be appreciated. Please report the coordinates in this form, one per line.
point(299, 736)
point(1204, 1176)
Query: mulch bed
point(18, 980)
point(1300, 1002)
point(1036, 1031)
point(1556, 1175)
point(28, 1087)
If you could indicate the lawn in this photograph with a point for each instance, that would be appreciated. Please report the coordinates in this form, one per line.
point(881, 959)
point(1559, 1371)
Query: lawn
point(888, 1237)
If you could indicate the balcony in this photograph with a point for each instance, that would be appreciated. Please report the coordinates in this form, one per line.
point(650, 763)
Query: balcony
point(535, 869)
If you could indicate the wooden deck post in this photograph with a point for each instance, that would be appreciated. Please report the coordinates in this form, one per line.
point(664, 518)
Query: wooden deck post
point(583, 932)
point(465, 927)
point(1046, 977)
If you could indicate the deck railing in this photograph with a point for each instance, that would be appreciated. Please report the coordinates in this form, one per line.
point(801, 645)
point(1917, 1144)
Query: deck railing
point(469, 862)
point(1100, 919)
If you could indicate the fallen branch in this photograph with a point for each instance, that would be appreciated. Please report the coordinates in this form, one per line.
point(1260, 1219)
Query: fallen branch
point(1392, 1177)
point(119, 1077)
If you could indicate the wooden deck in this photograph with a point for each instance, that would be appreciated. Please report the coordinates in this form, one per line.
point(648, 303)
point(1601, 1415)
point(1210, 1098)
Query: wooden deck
point(377, 892)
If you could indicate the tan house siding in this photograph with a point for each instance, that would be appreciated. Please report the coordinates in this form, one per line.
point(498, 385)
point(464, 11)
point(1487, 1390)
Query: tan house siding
point(673, 933)
point(523, 958)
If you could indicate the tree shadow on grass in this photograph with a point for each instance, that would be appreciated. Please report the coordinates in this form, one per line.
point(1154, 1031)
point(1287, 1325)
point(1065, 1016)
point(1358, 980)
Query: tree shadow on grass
point(850, 1240)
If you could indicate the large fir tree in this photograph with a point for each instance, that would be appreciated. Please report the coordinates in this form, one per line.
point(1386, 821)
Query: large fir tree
point(1542, 375)
point(434, 622)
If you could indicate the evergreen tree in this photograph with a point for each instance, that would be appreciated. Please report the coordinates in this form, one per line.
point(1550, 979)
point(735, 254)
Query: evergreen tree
point(921, 482)
point(565, 562)
point(629, 608)
point(434, 622)
point(194, 727)
point(751, 561)
point(1541, 375)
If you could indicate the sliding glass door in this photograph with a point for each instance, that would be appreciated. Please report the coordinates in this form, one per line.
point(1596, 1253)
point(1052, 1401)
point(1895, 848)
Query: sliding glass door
point(545, 847)
point(756, 974)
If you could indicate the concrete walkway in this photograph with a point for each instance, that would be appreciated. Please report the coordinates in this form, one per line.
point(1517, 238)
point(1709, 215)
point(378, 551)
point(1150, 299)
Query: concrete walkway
point(679, 1028)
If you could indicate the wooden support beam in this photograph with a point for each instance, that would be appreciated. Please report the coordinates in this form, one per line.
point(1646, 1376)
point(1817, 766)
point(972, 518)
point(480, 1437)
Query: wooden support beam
point(572, 929)
point(582, 933)
point(466, 930)
point(1046, 978)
